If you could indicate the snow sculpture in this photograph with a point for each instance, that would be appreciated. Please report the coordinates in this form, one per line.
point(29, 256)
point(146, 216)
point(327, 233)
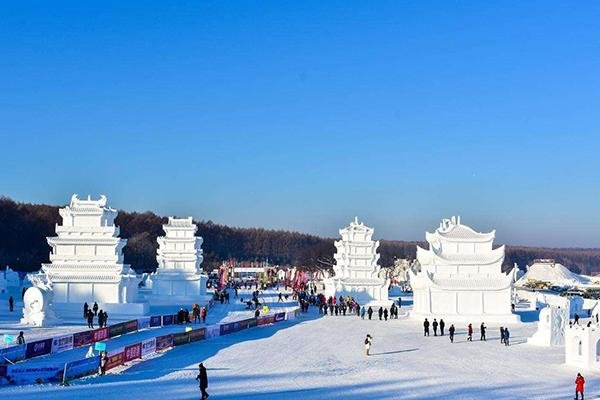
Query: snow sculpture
point(461, 277)
point(179, 277)
point(9, 280)
point(37, 301)
point(356, 270)
point(551, 327)
point(582, 345)
point(86, 262)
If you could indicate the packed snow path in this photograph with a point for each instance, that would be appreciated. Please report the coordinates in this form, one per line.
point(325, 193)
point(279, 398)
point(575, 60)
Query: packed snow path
point(323, 358)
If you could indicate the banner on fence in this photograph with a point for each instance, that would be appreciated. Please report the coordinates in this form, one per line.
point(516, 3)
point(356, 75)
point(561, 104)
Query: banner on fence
point(213, 331)
point(115, 359)
point(131, 326)
point(269, 319)
point(80, 368)
point(62, 343)
point(290, 315)
point(197, 334)
point(252, 323)
point(163, 342)
point(116, 329)
point(101, 334)
point(133, 351)
point(143, 323)
point(148, 346)
point(226, 329)
point(22, 374)
point(83, 338)
point(279, 317)
point(14, 353)
point(155, 321)
point(180, 338)
point(38, 348)
point(167, 320)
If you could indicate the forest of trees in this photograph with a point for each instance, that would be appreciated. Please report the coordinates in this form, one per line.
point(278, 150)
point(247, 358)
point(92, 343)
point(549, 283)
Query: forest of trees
point(24, 228)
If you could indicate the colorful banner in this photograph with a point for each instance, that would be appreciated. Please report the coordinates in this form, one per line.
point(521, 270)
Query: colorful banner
point(114, 360)
point(226, 329)
point(38, 348)
point(101, 334)
point(180, 338)
point(143, 323)
point(81, 368)
point(14, 353)
point(213, 331)
point(167, 320)
point(252, 322)
point(148, 347)
point(269, 319)
point(280, 317)
point(116, 329)
point(83, 338)
point(155, 321)
point(163, 342)
point(21, 374)
point(62, 343)
point(197, 334)
point(131, 326)
point(133, 351)
point(100, 346)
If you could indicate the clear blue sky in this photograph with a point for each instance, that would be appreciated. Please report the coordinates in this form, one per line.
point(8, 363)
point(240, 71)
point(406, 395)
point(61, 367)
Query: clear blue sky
point(301, 115)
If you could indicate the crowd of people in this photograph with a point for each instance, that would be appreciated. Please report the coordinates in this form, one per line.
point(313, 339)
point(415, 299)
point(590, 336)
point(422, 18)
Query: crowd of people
point(90, 313)
point(504, 332)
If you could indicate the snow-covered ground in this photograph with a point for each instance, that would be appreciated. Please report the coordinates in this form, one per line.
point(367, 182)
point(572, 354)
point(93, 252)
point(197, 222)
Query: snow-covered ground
point(320, 357)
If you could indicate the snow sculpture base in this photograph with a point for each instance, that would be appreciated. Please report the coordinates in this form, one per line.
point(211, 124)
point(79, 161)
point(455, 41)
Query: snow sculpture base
point(368, 293)
point(178, 290)
point(582, 346)
point(551, 328)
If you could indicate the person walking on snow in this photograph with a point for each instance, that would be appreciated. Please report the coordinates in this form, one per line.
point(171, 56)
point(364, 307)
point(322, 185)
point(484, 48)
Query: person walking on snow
point(368, 342)
point(506, 337)
point(426, 328)
point(385, 314)
point(86, 308)
point(451, 331)
point(11, 304)
point(370, 312)
point(21, 338)
point(380, 312)
point(435, 326)
point(482, 329)
point(202, 379)
point(470, 333)
point(579, 382)
point(502, 335)
point(280, 299)
point(95, 308)
point(442, 325)
point(362, 312)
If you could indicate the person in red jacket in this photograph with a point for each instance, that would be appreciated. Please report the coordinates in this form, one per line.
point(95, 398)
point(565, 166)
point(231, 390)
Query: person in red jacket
point(470, 333)
point(579, 382)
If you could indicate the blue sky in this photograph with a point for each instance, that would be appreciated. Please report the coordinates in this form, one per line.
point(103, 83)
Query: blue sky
point(301, 115)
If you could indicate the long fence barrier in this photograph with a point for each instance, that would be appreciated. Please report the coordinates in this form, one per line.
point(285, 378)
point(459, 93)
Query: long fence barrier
point(21, 374)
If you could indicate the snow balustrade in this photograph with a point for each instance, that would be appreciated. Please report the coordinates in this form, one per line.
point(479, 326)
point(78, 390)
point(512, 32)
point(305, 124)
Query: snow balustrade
point(21, 374)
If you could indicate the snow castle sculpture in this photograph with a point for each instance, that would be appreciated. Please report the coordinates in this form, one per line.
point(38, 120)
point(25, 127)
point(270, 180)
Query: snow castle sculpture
point(356, 270)
point(461, 277)
point(86, 262)
point(551, 327)
point(179, 277)
point(582, 345)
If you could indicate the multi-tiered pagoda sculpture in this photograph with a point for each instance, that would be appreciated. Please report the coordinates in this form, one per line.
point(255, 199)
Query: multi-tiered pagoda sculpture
point(356, 270)
point(461, 277)
point(179, 277)
point(86, 261)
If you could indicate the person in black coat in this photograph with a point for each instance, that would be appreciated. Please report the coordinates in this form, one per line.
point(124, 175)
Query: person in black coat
point(370, 312)
point(85, 309)
point(435, 326)
point(426, 327)
point(380, 312)
point(202, 379)
point(451, 330)
point(11, 304)
point(95, 308)
point(442, 325)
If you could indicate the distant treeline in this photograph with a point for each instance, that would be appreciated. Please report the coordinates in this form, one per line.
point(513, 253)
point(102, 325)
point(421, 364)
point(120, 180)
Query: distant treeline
point(24, 228)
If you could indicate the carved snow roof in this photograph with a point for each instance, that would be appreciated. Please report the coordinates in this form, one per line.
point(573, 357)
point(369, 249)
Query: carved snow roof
point(452, 230)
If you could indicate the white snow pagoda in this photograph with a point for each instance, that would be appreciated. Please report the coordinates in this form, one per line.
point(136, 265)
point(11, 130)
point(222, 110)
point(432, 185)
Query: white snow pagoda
point(86, 261)
point(179, 277)
point(461, 277)
point(356, 270)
